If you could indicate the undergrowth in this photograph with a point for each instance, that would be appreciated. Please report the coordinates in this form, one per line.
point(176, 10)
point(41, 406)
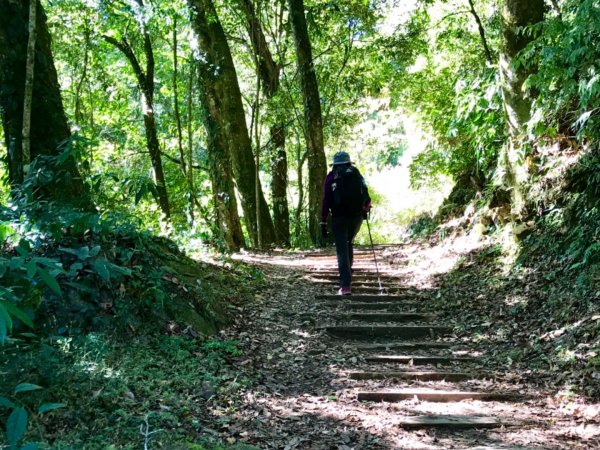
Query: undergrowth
point(105, 333)
point(542, 312)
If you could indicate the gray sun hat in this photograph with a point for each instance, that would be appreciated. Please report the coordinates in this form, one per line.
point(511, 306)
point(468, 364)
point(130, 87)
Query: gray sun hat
point(341, 158)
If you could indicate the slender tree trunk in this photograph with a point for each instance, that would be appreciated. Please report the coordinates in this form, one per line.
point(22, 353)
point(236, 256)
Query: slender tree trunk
point(516, 14)
point(176, 100)
point(29, 72)
point(488, 53)
point(279, 168)
point(145, 80)
point(182, 159)
point(257, 146)
point(300, 159)
point(82, 80)
point(190, 137)
point(228, 112)
point(317, 165)
point(49, 128)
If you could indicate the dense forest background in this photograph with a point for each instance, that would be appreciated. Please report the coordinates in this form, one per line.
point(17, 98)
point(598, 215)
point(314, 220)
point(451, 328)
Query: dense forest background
point(175, 110)
point(132, 127)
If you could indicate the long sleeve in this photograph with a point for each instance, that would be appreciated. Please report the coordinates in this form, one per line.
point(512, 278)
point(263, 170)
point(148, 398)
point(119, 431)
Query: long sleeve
point(327, 200)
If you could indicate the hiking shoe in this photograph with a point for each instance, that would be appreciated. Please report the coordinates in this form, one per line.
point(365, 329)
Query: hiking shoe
point(345, 291)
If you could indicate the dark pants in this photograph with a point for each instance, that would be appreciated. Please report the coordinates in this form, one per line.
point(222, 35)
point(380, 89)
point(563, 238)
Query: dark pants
point(344, 232)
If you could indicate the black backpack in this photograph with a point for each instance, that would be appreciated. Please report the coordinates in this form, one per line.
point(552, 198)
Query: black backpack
point(349, 192)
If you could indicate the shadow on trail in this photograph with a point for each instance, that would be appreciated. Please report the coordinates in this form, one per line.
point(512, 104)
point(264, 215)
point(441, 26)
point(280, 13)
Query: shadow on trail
point(301, 396)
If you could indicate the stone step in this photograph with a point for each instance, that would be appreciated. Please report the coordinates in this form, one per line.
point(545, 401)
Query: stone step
point(404, 346)
point(385, 317)
point(417, 360)
point(369, 297)
point(411, 376)
point(429, 395)
point(446, 421)
point(366, 331)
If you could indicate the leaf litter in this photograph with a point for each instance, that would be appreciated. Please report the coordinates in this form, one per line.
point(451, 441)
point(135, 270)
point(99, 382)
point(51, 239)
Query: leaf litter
point(298, 394)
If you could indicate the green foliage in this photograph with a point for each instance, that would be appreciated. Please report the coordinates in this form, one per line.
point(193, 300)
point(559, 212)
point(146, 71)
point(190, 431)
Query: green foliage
point(455, 94)
point(19, 415)
point(112, 386)
point(566, 84)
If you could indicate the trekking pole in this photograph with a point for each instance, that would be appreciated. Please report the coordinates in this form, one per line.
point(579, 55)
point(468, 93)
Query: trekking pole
point(374, 257)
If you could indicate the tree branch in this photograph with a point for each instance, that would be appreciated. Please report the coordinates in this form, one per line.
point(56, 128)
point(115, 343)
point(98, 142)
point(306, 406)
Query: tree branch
point(488, 54)
point(178, 162)
point(126, 49)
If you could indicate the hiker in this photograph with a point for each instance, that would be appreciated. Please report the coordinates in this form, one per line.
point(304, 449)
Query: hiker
point(345, 193)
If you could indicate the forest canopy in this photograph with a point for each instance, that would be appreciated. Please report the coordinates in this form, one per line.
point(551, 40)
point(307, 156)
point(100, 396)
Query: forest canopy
point(217, 119)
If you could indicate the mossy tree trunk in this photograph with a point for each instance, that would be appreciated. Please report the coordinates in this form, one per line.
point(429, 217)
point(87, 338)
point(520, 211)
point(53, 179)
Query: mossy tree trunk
point(269, 72)
point(49, 130)
point(267, 68)
point(313, 122)
point(227, 115)
point(516, 14)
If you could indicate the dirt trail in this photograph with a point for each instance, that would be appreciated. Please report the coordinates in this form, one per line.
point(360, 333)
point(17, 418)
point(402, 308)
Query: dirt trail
point(396, 370)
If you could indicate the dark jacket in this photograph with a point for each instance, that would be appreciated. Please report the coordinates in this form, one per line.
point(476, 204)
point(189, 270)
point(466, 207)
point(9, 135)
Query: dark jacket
point(328, 200)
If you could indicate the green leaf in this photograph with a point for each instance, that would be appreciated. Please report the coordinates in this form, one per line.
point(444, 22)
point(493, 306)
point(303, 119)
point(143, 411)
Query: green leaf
point(3, 266)
point(31, 446)
point(18, 313)
point(5, 323)
point(31, 267)
point(140, 194)
point(94, 251)
point(16, 262)
point(50, 280)
point(6, 403)
point(23, 248)
point(101, 268)
point(26, 387)
point(81, 253)
point(16, 426)
point(50, 407)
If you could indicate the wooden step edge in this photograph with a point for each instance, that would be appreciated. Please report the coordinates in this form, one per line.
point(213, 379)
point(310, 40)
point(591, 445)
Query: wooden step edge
point(405, 345)
point(413, 376)
point(367, 297)
point(366, 332)
point(431, 396)
point(416, 359)
point(352, 305)
point(384, 317)
point(447, 421)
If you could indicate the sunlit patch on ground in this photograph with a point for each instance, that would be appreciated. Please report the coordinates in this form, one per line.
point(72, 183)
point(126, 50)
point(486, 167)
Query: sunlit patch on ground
point(302, 396)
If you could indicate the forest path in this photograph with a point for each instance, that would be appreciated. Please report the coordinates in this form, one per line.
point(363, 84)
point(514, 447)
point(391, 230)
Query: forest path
point(380, 370)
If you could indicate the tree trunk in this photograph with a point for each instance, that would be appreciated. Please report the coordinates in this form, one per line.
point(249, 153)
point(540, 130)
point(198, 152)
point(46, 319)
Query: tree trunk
point(190, 138)
point(29, 71)
point(317, 165)
point(279, 167)
point(145, 80)
point(220, 169)
point(49, 129)
point(516, 14)
point(267, 68)
point(219, 76)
